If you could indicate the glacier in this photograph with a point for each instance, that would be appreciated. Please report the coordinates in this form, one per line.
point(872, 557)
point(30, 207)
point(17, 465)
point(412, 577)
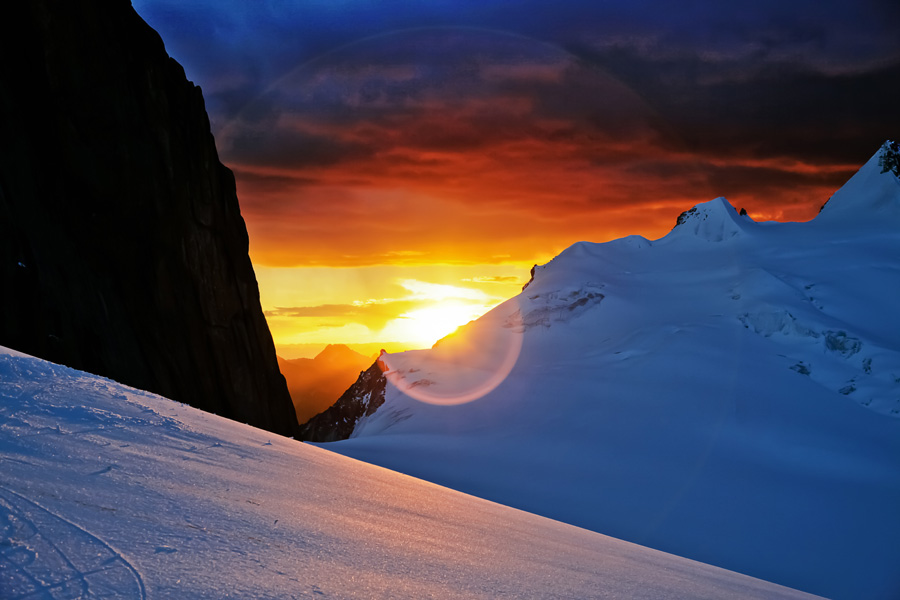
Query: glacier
point(728, 393)
point(111, 492)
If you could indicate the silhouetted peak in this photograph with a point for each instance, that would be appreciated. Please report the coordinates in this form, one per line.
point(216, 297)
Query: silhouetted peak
point(338, 353)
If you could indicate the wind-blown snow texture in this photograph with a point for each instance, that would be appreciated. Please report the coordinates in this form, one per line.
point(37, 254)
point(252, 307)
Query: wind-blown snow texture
point(729, 393)
point(109, 492)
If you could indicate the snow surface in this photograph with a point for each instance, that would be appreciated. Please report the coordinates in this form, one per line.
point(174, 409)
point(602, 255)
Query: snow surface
point(729, 393)
point(110, 492)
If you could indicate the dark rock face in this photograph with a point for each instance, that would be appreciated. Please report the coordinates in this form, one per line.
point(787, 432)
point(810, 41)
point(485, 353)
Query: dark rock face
point(683, 217)
point(889, 159)
point(122, 247)
point(362, 399)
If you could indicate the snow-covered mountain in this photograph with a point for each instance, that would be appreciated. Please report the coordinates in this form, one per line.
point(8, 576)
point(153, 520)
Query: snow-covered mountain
point(728, 393)
point(109, 492)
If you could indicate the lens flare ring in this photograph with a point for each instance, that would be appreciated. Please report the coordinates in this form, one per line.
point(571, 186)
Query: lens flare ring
point(464, 366)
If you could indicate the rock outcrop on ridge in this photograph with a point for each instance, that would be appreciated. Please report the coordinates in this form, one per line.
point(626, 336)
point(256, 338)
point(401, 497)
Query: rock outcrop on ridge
point(316, 383)
point(122, 248)
point(362, 399)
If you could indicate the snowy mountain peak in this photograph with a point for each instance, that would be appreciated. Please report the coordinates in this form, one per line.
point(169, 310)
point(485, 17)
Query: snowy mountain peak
point(872, 194)
point(583, 257)
point(627, 244)
point(713, 221)
point(732, 377)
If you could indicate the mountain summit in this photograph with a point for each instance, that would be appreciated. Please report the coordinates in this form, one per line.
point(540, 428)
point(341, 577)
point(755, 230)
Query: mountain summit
point(713, 221)
point(729, 392)
point(871, 196)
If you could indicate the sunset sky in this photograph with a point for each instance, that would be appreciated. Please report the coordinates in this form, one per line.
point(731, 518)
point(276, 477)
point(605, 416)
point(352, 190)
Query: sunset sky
point(401, 165)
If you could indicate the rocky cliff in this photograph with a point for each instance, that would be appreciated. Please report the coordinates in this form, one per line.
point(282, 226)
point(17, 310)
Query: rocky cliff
point(122, 247)
point(362, 399)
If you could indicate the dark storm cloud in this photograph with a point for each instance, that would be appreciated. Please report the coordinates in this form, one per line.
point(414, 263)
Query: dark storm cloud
point(761, 180)
point(474, 120)
point(677, 51)
point(744, 108)
point(294, 149)
point(268, 183)
point(407, 95)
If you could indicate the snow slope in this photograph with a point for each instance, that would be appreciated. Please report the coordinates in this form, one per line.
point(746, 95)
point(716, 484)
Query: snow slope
point(109, 492)
point(729, 393)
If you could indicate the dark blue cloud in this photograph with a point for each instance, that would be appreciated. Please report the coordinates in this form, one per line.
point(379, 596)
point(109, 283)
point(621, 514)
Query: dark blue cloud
point(321, 83)
point(235, 48)
point(207, 35)
point(451, 90)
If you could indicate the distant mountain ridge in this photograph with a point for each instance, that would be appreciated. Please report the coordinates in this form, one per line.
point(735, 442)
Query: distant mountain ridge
point(729, 393)
point(122, 247)
point(316, 383)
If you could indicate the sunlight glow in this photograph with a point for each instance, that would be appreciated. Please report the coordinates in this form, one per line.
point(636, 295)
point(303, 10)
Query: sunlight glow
point(438, 291)
point(463, 366)
point(427, 325)
point(394, 307)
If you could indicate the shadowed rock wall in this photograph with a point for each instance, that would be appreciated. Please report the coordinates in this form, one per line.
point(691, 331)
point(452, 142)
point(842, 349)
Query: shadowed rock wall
point(122, 247)
point(360, 400)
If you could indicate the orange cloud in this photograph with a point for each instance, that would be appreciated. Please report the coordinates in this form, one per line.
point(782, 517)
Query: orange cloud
point(469, 207)
point(476, 155)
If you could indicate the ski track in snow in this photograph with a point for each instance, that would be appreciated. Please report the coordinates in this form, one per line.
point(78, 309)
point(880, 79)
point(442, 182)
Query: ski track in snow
point(45, 555)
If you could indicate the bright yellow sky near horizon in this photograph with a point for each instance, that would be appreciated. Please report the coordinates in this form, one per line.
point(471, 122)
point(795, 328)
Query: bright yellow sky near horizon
point(396, 307)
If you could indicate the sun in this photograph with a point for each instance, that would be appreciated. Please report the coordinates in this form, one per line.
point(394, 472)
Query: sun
point(425, 326)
